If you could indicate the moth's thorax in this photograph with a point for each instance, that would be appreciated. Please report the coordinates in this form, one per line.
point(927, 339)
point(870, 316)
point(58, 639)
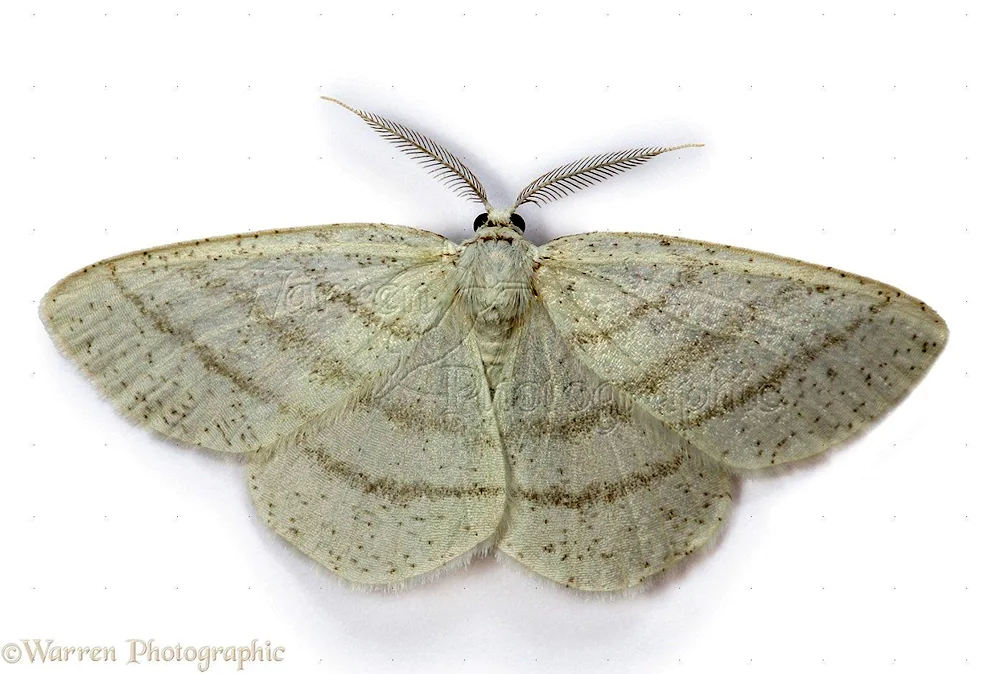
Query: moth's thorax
point(495, 275)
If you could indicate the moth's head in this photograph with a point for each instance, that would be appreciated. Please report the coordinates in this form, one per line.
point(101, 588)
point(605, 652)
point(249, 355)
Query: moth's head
point(499, 217)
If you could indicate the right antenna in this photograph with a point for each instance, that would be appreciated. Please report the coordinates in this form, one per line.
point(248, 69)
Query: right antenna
point(573, 177)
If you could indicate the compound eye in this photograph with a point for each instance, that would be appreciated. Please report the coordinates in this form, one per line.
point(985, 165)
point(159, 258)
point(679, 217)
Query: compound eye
point(518, 222)
point(480, 221)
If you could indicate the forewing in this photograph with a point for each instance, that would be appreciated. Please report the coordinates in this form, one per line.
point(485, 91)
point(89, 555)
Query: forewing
point(756, 359)
point(404, 478)
point(602, 495)
point(230, 343)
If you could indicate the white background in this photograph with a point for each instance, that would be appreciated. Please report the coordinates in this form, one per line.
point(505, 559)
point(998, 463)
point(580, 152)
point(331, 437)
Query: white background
point(861, 135)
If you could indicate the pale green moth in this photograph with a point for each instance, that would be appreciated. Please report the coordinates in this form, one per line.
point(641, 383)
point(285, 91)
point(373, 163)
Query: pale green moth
point(404, 402)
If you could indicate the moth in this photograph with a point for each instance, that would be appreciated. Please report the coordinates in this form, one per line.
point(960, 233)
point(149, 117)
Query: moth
point(403, 402)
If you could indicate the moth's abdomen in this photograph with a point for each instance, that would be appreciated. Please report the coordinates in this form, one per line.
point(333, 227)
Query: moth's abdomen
point(496, 343)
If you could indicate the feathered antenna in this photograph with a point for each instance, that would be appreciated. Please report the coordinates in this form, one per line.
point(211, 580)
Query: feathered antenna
point(441, 163)
point(574, 176)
